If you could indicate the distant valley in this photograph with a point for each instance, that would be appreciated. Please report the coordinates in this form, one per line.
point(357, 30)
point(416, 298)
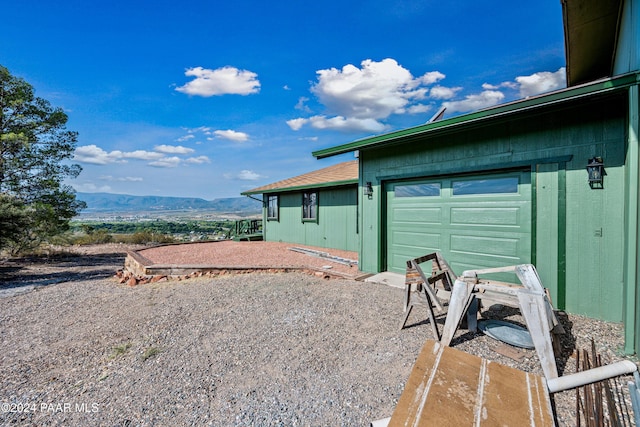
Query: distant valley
point(108, 204)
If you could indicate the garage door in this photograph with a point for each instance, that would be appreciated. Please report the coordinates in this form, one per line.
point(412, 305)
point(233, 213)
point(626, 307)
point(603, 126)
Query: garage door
point(475, 221)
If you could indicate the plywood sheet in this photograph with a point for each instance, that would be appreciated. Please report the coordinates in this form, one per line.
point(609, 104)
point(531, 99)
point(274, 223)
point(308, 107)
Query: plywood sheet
point(448, 387)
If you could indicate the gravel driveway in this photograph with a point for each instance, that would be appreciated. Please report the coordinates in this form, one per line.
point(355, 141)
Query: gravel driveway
point(254, 349)
point(258, 349)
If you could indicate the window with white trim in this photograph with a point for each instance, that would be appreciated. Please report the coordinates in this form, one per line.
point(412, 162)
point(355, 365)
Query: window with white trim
point(272, 208)
point(310, 206)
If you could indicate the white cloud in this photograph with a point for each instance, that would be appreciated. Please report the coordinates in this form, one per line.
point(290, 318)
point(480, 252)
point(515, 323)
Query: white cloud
point(432, 77)
point(204, 129)
point(95, 155)
point(510, 85)
point(338, 123)
point(185, 138)
point(173, 149)
point(541, 82)
point(375, 91)
point(359, 99)
point(121, 178)
point(221, 81)
point(441, 92)
point(198, 160)
point(302, 104)
point(491, 95)
point(418, 109)
point(247, 175)
point(166, 162)
point(90, 187)
point(142, 155)
point(296, 124)
point(231, 135)
point(484, 99)
point(346, 124)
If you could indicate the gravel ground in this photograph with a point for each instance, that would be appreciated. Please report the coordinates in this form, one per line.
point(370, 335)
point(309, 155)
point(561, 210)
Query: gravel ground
point(255, 349)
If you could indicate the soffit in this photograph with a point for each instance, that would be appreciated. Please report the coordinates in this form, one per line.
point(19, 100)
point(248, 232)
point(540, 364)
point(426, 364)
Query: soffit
point(591, 29)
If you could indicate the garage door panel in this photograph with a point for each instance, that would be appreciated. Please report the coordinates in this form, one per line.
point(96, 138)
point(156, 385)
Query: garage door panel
point(412, 215)
point(486, 246)
point(416, 240)
point(503, 216)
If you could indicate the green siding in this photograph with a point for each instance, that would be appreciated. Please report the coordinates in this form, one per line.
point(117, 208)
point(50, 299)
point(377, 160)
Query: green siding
point(593, 221)
point(336, 226)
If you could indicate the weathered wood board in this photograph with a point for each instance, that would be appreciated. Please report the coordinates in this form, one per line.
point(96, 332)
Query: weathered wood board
point(448, 387)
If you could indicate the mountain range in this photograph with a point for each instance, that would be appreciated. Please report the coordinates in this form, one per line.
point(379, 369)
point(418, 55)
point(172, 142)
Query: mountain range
point(124, 203)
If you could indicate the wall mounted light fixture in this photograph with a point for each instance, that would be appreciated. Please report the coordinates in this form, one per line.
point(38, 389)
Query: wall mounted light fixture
point(368, 190)
point(596, 172)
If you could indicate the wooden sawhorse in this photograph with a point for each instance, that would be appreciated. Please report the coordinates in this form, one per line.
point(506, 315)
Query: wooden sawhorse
point(530, 297)
point(418, 285)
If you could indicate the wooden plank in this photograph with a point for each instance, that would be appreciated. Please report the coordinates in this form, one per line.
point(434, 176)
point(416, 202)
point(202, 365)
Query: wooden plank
point(532, 307)
point(448, 387)
point(458, 303)
point(512, 397)
point(451, 400)
point(509, 351)
point(411, 402)
point(428, 290)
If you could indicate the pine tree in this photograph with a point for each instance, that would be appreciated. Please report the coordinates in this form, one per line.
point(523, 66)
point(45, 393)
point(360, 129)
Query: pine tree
point(35, 153)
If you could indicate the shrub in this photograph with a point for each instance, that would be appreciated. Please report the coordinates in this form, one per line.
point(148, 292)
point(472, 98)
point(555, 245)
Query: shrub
point(96, 237)
point(145, 237)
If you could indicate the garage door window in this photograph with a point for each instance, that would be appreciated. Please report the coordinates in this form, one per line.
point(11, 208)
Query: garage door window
point(417, 190)
point(486, 186)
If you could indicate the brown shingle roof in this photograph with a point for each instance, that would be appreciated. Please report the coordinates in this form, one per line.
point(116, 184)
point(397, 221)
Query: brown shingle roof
point(340, 174)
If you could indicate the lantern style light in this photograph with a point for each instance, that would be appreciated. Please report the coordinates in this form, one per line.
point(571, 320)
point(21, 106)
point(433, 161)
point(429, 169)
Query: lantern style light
point(595, 170)
point(368, 189)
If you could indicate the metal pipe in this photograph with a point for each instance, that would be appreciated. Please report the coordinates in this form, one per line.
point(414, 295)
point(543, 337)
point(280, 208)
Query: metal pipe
point(381, 423)
point(589, 376)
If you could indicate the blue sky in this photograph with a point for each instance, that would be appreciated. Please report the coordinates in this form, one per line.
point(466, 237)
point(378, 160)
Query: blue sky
point(211, 98)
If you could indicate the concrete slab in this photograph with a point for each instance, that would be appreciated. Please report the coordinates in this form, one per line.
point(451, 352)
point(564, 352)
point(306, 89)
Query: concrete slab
point(387, 278)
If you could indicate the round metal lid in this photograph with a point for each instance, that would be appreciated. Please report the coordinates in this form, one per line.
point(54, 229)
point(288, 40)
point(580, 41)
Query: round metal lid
point(507, 332)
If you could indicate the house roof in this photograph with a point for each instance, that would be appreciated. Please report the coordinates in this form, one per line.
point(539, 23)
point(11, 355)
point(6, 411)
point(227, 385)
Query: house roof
point(333, 176)
point(483, 117)
point(590, 37)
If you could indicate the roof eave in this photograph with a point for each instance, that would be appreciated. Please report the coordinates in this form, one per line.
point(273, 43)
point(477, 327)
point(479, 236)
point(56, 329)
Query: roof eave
point(548, 99)
point(323, 185)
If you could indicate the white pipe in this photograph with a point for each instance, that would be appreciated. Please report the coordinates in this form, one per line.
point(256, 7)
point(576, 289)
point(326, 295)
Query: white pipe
point(381, 423)
point(589, 376)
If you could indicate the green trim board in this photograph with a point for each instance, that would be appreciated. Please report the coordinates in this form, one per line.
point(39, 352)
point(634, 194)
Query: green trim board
point(632, 218)
point(546, 100)
point(504, 166)
point(562, 236)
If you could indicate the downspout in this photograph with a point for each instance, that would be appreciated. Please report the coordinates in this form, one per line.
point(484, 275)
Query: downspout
point(632, 270)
